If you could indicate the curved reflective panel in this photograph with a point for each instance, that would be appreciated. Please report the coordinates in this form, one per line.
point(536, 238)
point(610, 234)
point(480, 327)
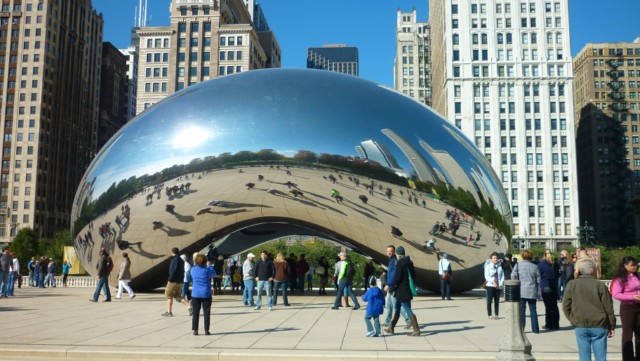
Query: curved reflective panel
point(248, 158)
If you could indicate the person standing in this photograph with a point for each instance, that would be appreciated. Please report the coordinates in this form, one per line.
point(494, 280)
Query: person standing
point(32, 266)
point(264, 275)
point(103, 276)
point(345, 279)
point(626, 289)
point(323, 271)
point(549, 286)
point(368, 272)
point(494, 278)
point(529, 277)
point(293, 275)
point(124, 277)
point(280, 279)
point(174, 283)
point(248, 276)
point(587, 305)
point(390, 301)
point(444, 270)
point(184, 292)
point(66, 266)
point(5, 269)
point(375, 307)
point(302, 269)
point(201, 296)
point(14, 275)
point(51, 279)
point(402, 292)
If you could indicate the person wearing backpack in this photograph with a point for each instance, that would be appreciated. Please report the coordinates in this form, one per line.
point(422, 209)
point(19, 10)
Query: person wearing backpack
point(444, 270)
point(403, 292)
point(345, 279)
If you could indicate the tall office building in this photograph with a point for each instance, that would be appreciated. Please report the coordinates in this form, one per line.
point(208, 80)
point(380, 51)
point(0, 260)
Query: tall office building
point(131, 55)
point(607, 104)
point(334, 57)
point(113, 93)
point(50, 55)
point(206, 39)
point(412, 64)
point(502, 73)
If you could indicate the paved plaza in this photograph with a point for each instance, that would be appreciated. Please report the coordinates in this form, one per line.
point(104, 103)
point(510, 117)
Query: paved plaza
point(61, 323)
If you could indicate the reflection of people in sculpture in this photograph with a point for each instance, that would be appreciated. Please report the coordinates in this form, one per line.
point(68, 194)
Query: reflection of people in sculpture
point(336, 194)
point(250, 185)
point(332, 179)
point(157, 224)
point(290, 185)
point(435, 229)
point(388, 193)
point(431, 245)
point(296, 193)
point(363, 198)
point(122, 244)
point(424, 204)
point(170, 208)
point(395, 231)
point(260, 177)
point(469, 239)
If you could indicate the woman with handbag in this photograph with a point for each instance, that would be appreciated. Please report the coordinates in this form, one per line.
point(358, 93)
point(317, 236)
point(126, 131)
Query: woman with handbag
point(549, 286)
point(403, 290)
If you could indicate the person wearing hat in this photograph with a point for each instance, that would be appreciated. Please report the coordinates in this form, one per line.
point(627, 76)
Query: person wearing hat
point(248, 276)
point(444, 270)
point(402, 292)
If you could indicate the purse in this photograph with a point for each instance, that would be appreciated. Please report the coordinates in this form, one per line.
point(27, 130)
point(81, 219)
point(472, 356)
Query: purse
point(412, 286)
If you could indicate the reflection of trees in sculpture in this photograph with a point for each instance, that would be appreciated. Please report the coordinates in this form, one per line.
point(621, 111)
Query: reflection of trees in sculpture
point(464, 200)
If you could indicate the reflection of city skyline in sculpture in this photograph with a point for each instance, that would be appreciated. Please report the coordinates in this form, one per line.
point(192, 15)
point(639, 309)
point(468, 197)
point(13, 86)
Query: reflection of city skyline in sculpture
point(451, 170)
point(421, 166)
point(372, 150)
point(230, 175)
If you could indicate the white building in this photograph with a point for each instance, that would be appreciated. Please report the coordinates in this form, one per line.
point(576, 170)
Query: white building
point(502, 73)
point(412, 70)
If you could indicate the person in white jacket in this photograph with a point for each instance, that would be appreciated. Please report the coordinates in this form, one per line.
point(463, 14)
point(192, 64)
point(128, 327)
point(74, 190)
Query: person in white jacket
point(494, 280)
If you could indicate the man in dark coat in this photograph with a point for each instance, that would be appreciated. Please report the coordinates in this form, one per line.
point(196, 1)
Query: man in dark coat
point(103, 268)
point(402, 292)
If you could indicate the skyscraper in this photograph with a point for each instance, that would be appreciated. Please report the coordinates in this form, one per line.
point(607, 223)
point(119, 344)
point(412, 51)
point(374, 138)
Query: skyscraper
point(113, 93)
point(502, 73)
point(206, 39)
point(48, 110)
point(334, 57)
point(412, 64)
point(606, 87)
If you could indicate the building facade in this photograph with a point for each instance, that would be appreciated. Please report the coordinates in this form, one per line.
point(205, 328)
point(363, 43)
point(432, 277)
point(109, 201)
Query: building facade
point(412, 63)
point(607, 108)
point(50, 58)
point(113, 93)
point(206, 39)
point(503, 74)
point(334, 57)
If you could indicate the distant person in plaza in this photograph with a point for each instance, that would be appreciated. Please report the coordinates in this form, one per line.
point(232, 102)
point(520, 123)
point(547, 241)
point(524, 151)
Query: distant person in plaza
point(184, 292)
point(402, 292)
point(396, 232)
point(345, 281)
point(124, 277)
point(494, 280)
point(66, 266)
point(583, 255)
point(280, 279)
point(218, 266)
point(201, 296)
point(323, 271)
point(5, 269)
point(51, 279)
point(14, 274)
point(626, 289)
point(507, 266)
point(265, 271)
point(587, 305)
point(248, 277)
point(375, 307)
point(444, 270)
point(103, 267)
point(309, 276)
point(174, 284)
point(293, 274)
point(549, 286)
point(529, 277)
point(302, 267)
point(32, 266)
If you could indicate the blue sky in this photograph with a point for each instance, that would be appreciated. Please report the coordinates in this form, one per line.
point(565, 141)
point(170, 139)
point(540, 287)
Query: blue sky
point(302, 24)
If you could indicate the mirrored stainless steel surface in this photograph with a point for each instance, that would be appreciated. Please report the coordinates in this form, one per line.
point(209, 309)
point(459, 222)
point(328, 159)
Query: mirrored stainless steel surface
point(241, 160)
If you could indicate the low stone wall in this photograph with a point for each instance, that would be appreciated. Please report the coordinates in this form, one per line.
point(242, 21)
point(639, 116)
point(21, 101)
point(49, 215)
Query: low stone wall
point(72, 281)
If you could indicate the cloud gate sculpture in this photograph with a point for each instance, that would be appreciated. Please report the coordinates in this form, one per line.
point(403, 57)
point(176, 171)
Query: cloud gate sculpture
point(249, 158)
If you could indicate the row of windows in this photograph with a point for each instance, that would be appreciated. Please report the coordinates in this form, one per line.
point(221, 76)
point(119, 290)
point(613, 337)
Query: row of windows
point(227, 70)
point(157, 43)
point(231, 55)
point(537, 178)
point(541, 213)
point(16, 20)
point(230, 40)
point(157, 57)
point(182, 42)
point(18, 164)
point(16, 33)
point(541, 232)
point(616, 52)
point(507, 24)
point(194, 26)
point(155, 87)
point(510, 90)
point(193, 56)
point(14, 219)
point(4, 178)
point(6, 151)
point(502, 71)
point(19, 137)
point(566, 192)
point(18, 7)
point(8, 124)
point(156, 72)
point(184, 11)
point(193, 71)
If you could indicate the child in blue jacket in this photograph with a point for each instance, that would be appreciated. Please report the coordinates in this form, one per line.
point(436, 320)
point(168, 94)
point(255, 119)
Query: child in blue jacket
point(375, 307)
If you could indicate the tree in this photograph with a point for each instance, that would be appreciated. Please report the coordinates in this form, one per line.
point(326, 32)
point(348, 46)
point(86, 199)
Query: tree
point(54, 248)
point(25, 246)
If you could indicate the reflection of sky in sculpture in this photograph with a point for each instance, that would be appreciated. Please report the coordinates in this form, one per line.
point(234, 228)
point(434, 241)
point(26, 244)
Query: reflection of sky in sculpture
point(264, 109)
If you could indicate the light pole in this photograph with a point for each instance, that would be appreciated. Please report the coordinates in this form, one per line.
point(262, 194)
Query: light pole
point(586, 233)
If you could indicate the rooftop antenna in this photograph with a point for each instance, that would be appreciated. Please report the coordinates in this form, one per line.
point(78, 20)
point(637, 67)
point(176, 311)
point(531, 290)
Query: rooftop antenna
point(144, 23)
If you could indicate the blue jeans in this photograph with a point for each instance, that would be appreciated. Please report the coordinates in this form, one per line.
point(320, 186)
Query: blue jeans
point(264, 285)
point(535, 328)
point(13, 276)
point(103, 283)
point(342, 285)
point(376, 323)
point(276, 288)
point(391, 306)
point(589, 337)
point(445, 288)
point(41, 280)
point(4, 283)
point(247, 293)
point(32, 282)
